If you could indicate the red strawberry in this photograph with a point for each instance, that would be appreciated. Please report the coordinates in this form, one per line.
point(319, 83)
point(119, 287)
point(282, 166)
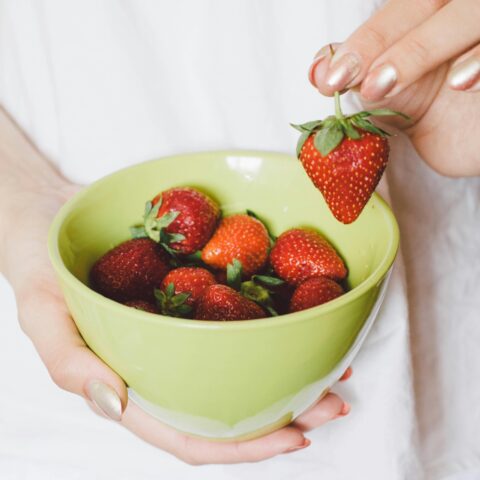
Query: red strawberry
point(345, 158)
point(130, 271)
point(142, 305)
point(191, 280)
point(182, 219)
point(313, 292)
point(240, 237)
point(302, 253)
point(219, 302)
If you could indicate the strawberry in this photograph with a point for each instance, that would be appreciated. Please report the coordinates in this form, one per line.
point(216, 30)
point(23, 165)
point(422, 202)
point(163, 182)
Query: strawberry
point(301, 253)
point(189, 279)
point(181, 219)
point(219, 302)
point(241, 237)
point(345, 157)
point(182, 288)
point(313, 292)
point(130, 271)
point(142, 305)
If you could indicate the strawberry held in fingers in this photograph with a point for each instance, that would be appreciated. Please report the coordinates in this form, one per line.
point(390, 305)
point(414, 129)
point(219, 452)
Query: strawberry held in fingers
point(219, 302)
point(314, 291)
point(182, 219)
point(131, 270)
point(301, 253)
point(345, 157)
point(241, 237)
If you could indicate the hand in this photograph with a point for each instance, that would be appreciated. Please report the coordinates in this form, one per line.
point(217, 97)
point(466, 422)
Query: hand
point(421, 57)
point(74, 367)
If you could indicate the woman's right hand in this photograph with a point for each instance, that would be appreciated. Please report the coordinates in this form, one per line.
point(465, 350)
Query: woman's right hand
point(29, 199)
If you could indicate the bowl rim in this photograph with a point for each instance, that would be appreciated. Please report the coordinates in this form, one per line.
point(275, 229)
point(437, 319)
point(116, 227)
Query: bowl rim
point(374, 279)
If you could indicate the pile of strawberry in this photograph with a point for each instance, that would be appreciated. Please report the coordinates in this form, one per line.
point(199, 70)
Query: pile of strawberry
point(186, 260)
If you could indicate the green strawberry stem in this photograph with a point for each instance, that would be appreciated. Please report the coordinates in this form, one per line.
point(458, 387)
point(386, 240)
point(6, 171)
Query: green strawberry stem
point(338, 108)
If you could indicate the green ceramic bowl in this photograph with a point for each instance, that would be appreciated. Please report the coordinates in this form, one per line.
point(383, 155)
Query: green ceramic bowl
point(223, 380)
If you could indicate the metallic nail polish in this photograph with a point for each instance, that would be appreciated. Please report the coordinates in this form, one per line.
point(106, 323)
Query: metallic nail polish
point(313, 66)
point(305, 444)
point(321, 55)
point(105, 398)
point(342, 71)
point(379, 82)
point(466, 75)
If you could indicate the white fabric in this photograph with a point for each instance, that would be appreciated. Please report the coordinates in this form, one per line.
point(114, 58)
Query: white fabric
point(99, 85)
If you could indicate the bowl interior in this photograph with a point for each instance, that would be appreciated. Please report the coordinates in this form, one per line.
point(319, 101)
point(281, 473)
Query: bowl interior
point(272, 185)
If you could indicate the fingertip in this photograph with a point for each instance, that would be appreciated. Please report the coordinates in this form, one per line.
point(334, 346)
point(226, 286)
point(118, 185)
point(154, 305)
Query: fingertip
point(348, 373)
point(295, 448)
point(317, 74)
point(328, 408)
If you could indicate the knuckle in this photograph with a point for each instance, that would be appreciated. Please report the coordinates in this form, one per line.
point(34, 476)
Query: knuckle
point(430, 5)
point(435, 4)
point(372, 36)
point(417, 51)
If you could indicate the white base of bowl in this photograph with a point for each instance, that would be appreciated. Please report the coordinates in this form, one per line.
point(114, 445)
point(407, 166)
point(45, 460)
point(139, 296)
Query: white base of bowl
point(272, 418)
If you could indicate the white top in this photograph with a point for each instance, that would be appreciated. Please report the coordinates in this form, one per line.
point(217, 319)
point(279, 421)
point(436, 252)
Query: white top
point(102, 85)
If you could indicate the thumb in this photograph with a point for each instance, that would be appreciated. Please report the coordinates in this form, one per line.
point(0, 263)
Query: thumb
point(71, 364)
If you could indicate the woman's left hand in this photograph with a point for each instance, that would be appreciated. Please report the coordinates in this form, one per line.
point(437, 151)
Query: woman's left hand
point(421, 57)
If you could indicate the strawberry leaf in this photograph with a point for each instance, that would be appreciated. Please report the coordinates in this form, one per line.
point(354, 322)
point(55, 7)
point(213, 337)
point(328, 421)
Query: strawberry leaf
point(328, 138)
point(165, 220)
point(267, 280)
point(270, 310)
point(180, 299)
point(183, 310)
point(368, 126)
point(175, 237)
point(350, 130)
point(297, 127)
point(383, 112)
point(308, 127)
point(301, 142)
point(148, 208)
point(259, 295)
point(170, 290)
point(171, 304)
point(138, 231)
point(234, 274)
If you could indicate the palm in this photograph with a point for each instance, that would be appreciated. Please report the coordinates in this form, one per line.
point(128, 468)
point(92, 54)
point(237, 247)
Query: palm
point(441, 125)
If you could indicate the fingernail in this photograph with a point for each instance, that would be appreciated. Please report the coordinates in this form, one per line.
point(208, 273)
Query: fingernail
point(313, 67)
point(305, 444)
point(379, 82)
point(323, 53)
point(348, 373)
point(106, 399)
point(344, 411)
point(466, 75)
point(342, 71)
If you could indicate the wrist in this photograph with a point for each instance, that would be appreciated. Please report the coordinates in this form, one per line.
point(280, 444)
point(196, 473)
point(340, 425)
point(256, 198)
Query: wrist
point(29, 208)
